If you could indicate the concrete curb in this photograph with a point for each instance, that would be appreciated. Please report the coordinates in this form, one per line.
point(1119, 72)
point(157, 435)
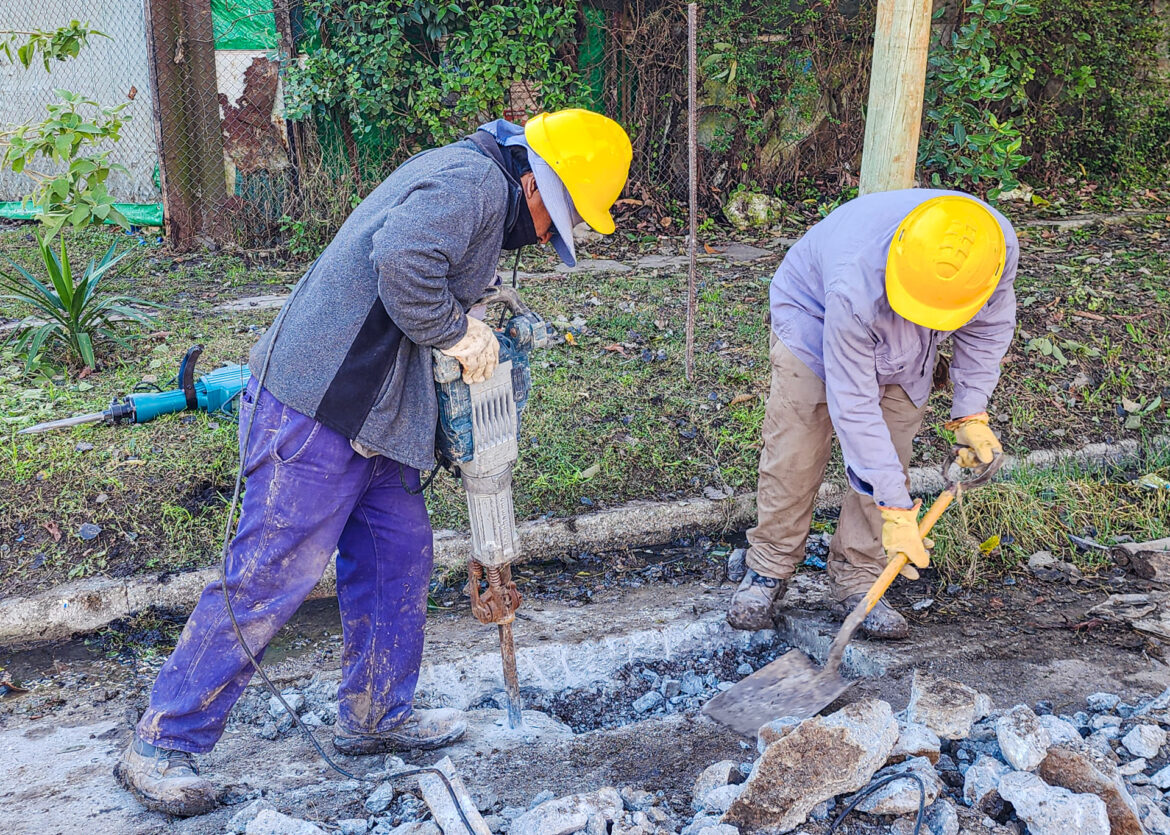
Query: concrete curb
point(86, 605)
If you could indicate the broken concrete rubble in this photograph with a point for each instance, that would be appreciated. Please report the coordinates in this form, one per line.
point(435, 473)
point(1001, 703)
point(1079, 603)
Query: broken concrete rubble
point(442, 806)
point(941, 818)
point(824, 757)
point(1059, 730)
point(271, 822)
point(946, 707)
point(713, 777)
point(1022, 738)
point(565, 815)
point(1084, 770)
point(901, 797)
point(915, 740)
point(981, 784)
point(1144, 740)
point(1049, 810)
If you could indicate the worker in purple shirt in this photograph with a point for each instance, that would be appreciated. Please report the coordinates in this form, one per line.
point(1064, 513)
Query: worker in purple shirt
point(859, 307)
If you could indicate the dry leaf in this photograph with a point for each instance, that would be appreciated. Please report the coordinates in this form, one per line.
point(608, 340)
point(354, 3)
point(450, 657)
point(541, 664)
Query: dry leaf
point(569, 338)
point(741, 398)
point(53, 530)
point(666, 221)
point(589, 472)
point(85, 372)
point(710, 250)
point(615, 348)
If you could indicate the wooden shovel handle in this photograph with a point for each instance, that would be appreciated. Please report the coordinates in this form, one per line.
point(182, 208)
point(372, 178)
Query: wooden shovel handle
point(894, 567)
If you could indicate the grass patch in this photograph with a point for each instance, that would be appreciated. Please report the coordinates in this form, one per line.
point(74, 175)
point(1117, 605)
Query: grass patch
point(997, 527)
point(611, 419)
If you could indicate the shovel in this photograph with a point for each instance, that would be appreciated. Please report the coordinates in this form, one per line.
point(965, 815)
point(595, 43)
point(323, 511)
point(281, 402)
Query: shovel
point(793, 685)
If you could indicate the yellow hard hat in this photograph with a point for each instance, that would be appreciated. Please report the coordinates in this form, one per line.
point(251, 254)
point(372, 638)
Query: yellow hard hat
point(944, 262)
point(591, 155)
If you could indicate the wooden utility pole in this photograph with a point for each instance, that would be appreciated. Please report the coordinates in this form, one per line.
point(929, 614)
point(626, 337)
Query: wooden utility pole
point(181, 50)
point(893, 119)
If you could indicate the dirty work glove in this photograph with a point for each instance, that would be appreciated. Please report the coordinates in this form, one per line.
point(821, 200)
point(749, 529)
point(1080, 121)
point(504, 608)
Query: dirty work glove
point(900, 536)
point(977, 443)
point(478, 351)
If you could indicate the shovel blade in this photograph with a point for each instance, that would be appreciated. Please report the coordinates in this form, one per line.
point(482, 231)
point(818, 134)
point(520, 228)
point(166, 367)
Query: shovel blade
point(792, 685)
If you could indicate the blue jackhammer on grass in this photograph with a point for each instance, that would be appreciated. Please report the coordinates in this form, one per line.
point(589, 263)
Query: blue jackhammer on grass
point(215, 391)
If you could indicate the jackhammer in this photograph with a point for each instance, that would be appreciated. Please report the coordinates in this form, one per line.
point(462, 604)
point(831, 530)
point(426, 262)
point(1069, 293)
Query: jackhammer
point(477, 439)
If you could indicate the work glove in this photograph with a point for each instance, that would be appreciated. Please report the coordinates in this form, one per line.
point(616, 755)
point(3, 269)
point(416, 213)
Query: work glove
point(478, 351)
point(900, 536)
point(977, 443)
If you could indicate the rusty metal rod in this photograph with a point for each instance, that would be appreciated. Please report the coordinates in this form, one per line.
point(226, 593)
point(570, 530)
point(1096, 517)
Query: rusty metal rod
point(511, 680)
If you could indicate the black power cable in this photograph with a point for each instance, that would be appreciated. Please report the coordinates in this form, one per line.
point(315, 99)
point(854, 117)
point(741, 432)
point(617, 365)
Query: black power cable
point(872, 787)
point(227, 539)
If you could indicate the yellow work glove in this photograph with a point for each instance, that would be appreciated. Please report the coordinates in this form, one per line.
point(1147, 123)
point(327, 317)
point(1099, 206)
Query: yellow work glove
point(977, 443)
point(900, 536)
point(478, 351)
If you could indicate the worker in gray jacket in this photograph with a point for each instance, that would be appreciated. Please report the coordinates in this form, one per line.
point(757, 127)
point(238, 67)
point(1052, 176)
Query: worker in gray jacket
point(344, 422)
point(859, 307)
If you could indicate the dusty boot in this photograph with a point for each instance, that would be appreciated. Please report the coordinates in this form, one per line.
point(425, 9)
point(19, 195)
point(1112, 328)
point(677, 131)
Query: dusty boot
point(883, 621)
point(422, 729)
point(163, 780)
point(755, 602)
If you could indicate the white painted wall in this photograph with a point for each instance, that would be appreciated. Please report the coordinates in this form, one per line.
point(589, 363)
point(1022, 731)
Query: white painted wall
point(105, 70)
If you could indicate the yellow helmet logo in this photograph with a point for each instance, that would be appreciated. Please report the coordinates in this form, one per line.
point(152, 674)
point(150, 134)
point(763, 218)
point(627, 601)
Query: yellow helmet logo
point(945, 261)
point(590, 153)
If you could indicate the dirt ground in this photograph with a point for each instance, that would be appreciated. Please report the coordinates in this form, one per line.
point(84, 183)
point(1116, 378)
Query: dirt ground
point(1023, 641)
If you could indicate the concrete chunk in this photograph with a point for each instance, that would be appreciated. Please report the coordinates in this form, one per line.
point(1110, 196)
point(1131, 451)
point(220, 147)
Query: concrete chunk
point(946, 707)
point(1144, 741)
point(824, 757)
point(915, 740)
point(1049, 810)
point(437, 797)
point(1022, 739)
point(271, 822)
point(981, 784)
point(563, 815)
point(901, 796)
point(1084, 770)
point(1060, 730)
point(713, 777)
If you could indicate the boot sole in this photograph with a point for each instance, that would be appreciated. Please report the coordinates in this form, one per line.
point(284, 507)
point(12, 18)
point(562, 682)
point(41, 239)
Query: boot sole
point(179, 810)
point(357, 747)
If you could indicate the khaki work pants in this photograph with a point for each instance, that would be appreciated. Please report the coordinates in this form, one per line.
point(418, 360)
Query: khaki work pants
point(797, 437)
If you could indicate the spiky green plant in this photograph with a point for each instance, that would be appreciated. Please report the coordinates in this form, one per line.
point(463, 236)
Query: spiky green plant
point(68, 309)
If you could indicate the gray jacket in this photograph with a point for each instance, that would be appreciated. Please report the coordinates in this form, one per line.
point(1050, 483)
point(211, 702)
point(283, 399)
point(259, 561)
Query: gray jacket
point(354, 348)
point(829, 308)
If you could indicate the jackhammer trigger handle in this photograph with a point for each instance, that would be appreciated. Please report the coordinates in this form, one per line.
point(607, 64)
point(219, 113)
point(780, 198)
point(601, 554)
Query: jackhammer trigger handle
point(187, 375)
point(502, 294)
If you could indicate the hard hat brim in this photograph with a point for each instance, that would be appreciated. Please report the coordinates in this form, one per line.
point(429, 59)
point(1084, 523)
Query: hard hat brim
point(928, 316)
point(559, 204)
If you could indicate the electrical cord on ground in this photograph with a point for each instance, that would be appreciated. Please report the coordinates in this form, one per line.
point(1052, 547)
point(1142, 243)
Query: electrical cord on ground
point(872, 787)
point(227, 539)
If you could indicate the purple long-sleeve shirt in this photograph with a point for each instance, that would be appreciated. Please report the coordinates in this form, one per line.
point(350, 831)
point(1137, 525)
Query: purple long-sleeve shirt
point(829, 308)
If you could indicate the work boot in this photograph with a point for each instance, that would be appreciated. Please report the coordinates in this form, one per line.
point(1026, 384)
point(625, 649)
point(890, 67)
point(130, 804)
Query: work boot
point(164, 780)
point(423, 729)
point(754, 604)
point(883, 621)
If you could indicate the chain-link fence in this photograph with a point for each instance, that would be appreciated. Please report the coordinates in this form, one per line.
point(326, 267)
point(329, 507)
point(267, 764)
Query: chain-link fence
point(112, 70)
point(782, 89)
point(209, 138)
